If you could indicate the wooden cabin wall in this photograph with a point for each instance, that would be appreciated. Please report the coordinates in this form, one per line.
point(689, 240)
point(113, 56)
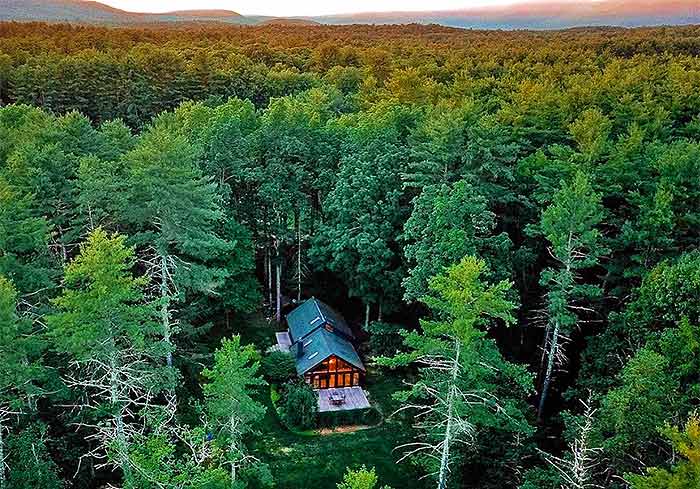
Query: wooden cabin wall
point(334, 372)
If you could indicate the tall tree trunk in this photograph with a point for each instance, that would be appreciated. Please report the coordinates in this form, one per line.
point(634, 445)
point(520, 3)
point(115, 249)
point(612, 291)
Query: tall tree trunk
point(298, 218)
point(379, 313)
point(445, 457)
point(366, 316)
point(233, 449)
point(3, 482)
point(551, 356)
point(278, 302)
point(122, 447)
point(164, 308)
point(269, 275)
point(555, 333)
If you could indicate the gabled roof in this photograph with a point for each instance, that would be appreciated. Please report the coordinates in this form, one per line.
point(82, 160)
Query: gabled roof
point(313, 314)
point(321, 344)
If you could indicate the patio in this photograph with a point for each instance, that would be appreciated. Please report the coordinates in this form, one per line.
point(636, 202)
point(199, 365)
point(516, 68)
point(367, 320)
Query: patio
point(342, 399)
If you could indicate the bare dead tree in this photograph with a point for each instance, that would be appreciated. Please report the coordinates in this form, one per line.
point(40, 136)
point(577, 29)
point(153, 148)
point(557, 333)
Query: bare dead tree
point(577, 468)
point(447, 413)
point(126, 382)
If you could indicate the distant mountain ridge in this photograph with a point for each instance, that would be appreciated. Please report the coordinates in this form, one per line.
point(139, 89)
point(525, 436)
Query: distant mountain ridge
point(95, 12)
point(532, 14)
point(545, 14)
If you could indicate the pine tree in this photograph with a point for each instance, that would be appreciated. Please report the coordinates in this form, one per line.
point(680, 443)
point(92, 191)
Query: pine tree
point(569, 224)
point(447, 223)
point(111, 340)
point(464, 384)
point(229, 405)
point(20, 370)
point(176, 212)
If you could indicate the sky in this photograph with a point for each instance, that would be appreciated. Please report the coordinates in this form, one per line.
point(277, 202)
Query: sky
point(301, 7)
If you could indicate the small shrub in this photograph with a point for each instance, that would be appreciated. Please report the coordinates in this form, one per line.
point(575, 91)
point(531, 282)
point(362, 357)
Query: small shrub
point(279, 367)
point(360, 479)
point(299, 406)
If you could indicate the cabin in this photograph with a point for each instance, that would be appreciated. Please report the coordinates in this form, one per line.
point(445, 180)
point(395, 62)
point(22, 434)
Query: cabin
point(322, 344)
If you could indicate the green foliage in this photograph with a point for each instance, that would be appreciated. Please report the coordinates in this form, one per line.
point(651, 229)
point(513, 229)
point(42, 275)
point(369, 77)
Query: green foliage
point(684, 474)
point(384, 339)
point(664, 374)
point(466, 387)
point(299, 405)
point(30, 459)
point(23, 236)
point(541, 478)
point(21, 371)
point(361, 478)
point(448, 223)
point(227, 395)
point(279, 367)
point(102, 308)
point(644, 377)
point(668, 294)
point(229, 383)
point(200, 465)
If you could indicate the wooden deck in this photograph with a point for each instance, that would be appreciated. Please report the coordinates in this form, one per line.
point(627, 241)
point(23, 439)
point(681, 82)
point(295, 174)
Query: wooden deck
point(355, 398)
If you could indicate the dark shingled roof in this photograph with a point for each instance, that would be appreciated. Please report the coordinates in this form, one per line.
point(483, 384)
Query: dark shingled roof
point(320, 345)
point(310, 315)
point(323, 333)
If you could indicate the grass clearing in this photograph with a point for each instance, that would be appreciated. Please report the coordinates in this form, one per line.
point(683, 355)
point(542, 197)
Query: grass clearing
point(308, 460)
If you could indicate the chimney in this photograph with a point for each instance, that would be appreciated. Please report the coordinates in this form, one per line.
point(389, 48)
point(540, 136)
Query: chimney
point(300, 349)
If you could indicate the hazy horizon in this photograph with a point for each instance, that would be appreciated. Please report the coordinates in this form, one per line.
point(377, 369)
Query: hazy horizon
point(314, 8)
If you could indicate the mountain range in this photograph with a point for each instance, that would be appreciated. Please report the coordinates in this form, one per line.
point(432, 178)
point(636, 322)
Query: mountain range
point(532, 14)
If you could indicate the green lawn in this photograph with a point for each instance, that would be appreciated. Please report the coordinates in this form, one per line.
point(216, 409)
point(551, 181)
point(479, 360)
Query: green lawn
point(304, 461)
point(310, 461)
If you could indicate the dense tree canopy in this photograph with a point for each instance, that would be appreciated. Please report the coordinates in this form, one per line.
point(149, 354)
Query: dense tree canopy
point(520, 207)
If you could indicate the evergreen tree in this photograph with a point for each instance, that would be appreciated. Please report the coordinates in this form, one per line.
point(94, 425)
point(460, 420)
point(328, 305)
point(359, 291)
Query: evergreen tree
point(229, 405)
point(20, 369)
point(24, 234)
point(569, 224)
point(110, 340)
point(175, 211)
point(465, 385)
point(448, 223)
point(31, 460)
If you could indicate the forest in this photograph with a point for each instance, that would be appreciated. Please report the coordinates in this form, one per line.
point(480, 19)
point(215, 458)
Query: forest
point(509, 221)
